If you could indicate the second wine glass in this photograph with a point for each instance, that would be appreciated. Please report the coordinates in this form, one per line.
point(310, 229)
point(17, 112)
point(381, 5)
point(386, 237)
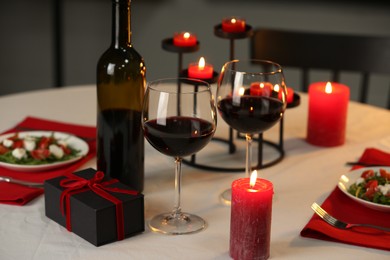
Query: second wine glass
point(179, 119)
point(251, 98)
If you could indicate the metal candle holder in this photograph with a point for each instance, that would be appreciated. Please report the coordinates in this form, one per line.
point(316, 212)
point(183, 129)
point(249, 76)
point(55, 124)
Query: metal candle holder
point(167, 44)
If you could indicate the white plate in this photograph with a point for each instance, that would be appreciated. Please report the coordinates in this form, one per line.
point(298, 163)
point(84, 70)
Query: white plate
point(350, 178)
point(72, 141)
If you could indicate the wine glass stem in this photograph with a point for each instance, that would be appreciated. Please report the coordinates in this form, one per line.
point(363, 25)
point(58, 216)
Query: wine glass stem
point(177, 207)
point(248, 154)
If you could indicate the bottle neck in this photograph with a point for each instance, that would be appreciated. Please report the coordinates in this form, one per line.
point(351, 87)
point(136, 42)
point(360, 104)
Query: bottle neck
point(121, 25)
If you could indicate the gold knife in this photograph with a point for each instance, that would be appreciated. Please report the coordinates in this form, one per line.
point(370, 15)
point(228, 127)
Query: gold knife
point(25, 183)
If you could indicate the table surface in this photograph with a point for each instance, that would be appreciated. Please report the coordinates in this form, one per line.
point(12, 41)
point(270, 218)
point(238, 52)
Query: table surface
point(306, 174)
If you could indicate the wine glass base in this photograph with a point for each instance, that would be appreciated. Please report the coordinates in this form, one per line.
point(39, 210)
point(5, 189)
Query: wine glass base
point(177, 224)
point(226, 197)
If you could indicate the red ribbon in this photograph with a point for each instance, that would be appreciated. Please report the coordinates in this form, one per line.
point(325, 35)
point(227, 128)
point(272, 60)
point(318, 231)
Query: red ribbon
point(75, 184)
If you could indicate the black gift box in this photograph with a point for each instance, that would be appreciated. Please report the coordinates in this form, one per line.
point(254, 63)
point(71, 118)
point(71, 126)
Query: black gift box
point(92, 216)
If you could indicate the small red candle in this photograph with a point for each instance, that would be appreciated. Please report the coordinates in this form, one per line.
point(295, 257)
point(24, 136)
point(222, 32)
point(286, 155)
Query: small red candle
point(233, 25)
point(260, 89)
point(184, 39)
point(290, 95)
point(250, 226)
point(328, 105)
point(200, 70)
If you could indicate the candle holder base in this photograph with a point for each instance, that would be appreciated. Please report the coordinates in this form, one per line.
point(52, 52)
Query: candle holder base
point(212, 80)
point(167, 44)
point(296, 101)
point(277, 151)
point(233, 35)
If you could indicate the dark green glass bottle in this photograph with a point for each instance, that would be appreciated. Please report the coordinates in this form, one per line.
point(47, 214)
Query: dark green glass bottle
point(120, 91)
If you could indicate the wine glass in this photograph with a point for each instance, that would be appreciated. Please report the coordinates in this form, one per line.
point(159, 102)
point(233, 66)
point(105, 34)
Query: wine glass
point(179, 119)
point(251, 98)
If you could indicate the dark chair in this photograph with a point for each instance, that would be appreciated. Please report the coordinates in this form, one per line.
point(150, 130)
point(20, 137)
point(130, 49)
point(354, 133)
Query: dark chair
point(366, 55)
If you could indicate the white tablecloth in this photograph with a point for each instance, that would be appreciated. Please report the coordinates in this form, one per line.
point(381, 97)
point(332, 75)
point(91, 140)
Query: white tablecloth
point(306, 174)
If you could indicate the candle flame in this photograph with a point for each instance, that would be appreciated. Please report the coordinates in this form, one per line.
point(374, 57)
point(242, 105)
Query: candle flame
point(253, 179)
point(201, 63)
point(233, 20)
point(328, 88)
point(241, 91)
point(261, 85)
point(276, 87)
point(186, 35)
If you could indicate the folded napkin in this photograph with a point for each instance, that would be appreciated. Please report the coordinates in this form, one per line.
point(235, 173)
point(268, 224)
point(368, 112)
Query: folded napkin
point(375, 157)
point(348, 210)
point(19, 195)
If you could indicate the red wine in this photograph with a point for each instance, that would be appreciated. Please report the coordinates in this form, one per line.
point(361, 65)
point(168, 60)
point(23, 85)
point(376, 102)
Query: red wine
point(124, 159)
point(253, 114)
point(178, 136)
point(120, 92)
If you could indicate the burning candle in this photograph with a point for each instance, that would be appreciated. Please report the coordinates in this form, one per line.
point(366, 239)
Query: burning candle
point(200, 70)
point(290, 95)
point(260, 89)
point(233, 25)
point(184, 39)
point(328, 105)
point(251, 210)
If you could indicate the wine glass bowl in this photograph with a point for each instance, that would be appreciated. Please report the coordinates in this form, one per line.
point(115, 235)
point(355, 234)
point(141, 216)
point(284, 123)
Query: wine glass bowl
point(178, 119)
point(251, 98)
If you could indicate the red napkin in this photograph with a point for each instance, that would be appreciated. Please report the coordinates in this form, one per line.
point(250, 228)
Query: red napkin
point(19, 195)
point(344, 208)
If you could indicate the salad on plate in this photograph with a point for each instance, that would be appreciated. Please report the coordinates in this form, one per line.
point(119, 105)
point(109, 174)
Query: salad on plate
point(373, 186)
point(36, 150)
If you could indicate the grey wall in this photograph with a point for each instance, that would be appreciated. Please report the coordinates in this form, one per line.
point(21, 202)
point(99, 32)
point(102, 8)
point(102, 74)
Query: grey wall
point(26, 27)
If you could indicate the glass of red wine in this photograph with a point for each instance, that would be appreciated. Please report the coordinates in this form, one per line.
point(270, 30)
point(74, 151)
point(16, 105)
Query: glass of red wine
point(251, 98)
point(179, 119)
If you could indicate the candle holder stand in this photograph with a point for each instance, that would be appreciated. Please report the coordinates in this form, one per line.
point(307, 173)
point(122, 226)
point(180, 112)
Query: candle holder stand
point(167, 45)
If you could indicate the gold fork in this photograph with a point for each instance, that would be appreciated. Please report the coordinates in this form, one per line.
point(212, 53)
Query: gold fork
point(338, 223)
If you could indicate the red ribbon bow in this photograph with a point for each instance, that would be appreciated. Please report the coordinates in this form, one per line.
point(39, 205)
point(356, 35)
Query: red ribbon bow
point(75, 184)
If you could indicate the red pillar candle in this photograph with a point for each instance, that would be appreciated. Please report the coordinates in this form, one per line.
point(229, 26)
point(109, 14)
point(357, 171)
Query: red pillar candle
point(200, 70)
point(184, 39)
point(250, 223)
point(328, 105)
point(233, 25)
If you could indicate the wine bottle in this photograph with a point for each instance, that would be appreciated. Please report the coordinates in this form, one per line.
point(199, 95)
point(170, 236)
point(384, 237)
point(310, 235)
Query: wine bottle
point(120, 92)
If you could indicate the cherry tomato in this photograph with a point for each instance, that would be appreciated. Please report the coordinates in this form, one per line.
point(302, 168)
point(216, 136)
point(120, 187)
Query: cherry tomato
point(17, 144)
point(385, 174)
point(14, 137)
point(3, 149)
point(65, 149)
point(40, 154)
point(371, 188)
point(44, 142)
point(367, 174)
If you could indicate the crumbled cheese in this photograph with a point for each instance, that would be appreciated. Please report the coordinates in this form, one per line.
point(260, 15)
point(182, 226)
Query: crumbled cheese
point(384, 188)
point(56, 151)
point(63, 143)
point(8, 143)
point(29, 144)
point(19, 153)
point(359, 180)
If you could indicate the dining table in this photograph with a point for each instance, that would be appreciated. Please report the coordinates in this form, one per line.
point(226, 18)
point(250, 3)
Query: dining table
point(305, 174)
